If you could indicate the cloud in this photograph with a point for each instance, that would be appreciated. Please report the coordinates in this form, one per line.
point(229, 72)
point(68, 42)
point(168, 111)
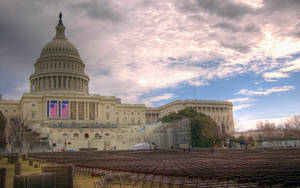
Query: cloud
point(225, 9)
point(239, 99)
point(241, 106)
point(249, 123)
point(151, 100)
point(270, 75)
point(98, 10)
point(197, 82)
point(133, 48)
point(242, 48)
point(292, 66)
point(267, 91)
point(227, 26)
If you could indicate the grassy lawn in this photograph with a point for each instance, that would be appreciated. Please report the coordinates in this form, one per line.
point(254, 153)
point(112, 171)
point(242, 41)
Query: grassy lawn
point(79, 181)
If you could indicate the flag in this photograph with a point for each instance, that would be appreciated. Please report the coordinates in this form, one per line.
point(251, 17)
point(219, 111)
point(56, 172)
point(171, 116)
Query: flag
point(65, 109)
point(53, 109)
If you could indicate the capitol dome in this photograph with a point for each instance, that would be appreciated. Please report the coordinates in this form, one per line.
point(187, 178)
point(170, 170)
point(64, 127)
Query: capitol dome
point(59, 67)
point(59, 47)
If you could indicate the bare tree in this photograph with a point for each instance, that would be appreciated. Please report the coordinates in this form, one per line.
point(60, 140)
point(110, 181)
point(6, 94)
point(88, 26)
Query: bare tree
point(268, 130)
point(21, 133)
point(3, 122)
point(31, 138)
point(265, 126)
point(292, 127)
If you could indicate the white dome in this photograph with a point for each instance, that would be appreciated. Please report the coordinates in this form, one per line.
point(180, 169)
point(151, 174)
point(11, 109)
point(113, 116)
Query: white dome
point(59, 46)
point(59, 67)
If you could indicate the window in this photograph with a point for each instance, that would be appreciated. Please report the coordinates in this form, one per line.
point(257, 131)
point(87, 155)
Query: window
point(98, 136)
point(6, 110)
point(65, 134)
point(33, 105)
point(106, 134)
point(107, 106)
point(138, 113)
point(107, 116)
point(117, 120)
point(75, 135)
point(33, 115)
point(14, 110)
point(86, 135)
point(132, 113)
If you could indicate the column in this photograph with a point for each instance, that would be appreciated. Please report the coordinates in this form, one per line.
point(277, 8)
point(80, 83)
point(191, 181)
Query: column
point(31, 86)
point(67, 82)
point(52, 82)
point(76, 110)
point(88, 111)
point(38, 84)
point(56, 82)
point(96, 114)
point(84, 110)
point(99, 115)
point(34, 84)
point(69, 116)
point(75, 83)
point(45, 111)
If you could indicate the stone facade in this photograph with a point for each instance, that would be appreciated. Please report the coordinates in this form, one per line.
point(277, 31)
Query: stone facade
point(220, 111)
point(171, 135)
point(60, 106)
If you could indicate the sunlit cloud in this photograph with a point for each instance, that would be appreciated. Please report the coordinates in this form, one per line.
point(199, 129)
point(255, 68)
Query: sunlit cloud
point(149, 101)
point(239, 99)
point(292, 66)
point(241, 106)
point(276, 75)
point(267, 91)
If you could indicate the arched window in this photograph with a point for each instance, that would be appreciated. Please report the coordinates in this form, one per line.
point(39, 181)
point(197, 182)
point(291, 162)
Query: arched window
point(98, 136)
point(75, 135)
point(86, 135)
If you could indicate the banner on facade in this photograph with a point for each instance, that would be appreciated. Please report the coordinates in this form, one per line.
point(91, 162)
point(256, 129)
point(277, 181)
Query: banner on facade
point(53, 109)
point(65, 109)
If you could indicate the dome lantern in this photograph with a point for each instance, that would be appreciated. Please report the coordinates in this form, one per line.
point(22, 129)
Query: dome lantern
point(60, 29)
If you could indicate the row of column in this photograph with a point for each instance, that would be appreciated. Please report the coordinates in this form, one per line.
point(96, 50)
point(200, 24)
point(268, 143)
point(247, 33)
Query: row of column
point(151, 117)
point(58, 82)
point(87, 114)
point(214, 112)
point(59, 66)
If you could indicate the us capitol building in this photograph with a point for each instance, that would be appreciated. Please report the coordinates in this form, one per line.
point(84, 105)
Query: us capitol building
point(68, 117)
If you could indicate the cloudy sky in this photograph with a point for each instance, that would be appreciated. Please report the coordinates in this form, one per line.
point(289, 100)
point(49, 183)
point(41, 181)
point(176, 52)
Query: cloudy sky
point(154, 52)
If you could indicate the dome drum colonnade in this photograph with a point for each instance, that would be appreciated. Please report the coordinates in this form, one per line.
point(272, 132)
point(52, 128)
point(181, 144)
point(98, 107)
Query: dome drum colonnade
point(59, 67)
